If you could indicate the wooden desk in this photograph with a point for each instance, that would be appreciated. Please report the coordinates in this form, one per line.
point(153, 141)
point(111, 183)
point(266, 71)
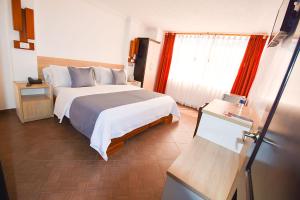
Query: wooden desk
point(205, 168)
point(218, 107)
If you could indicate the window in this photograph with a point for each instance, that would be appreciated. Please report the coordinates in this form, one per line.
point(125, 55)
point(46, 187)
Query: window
point(204, 67)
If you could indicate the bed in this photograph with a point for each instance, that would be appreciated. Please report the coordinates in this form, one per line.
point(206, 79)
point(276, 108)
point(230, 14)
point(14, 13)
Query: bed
point(108, 114)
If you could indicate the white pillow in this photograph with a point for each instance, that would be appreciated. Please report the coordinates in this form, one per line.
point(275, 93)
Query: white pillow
point(60, 76)
point(104, 76)
point(47, 73)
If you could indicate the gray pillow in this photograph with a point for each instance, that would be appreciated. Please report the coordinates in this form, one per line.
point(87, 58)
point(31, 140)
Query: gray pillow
point(81, 77)
point(119, 77)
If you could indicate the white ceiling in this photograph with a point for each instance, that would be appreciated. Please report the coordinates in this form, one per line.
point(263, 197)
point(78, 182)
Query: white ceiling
point(241, 16)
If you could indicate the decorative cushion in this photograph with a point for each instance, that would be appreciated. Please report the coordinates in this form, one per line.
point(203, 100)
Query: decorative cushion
point(81, 77)
point(104, 76)
point(119, 77)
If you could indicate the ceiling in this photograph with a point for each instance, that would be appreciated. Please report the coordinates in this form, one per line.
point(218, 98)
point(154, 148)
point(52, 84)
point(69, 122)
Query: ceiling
point(235, 16)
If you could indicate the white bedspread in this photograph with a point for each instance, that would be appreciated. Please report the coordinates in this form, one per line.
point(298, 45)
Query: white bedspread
point(115, 122)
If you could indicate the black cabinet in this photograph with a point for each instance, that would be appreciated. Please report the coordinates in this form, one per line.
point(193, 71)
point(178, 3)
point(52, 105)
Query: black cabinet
point(141, 58)
point(146, 63)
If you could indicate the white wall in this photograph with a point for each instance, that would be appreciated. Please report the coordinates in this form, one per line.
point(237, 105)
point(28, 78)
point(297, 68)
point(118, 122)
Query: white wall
point(241, 16)
point(6, 76)
point(15, 64)
point(23, 61)
point(79, 30)
point(134, 29)
point(83, 30)
point(271, 70)
point(75, 29)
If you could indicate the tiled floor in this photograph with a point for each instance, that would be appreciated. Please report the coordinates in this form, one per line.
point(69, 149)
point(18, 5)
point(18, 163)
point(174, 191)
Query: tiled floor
point(46, 160)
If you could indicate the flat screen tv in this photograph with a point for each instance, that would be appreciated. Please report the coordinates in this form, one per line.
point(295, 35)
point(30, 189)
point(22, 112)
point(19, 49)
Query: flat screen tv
point(286, 21)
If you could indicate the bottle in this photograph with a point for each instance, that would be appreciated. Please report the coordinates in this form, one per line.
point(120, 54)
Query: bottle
point(241, 105)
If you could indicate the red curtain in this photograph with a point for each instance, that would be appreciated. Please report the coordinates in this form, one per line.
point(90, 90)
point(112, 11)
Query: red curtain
point(165, 63)
point(249, 65)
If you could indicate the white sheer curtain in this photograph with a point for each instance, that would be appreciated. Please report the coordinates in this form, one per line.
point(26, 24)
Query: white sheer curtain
point(204, 67)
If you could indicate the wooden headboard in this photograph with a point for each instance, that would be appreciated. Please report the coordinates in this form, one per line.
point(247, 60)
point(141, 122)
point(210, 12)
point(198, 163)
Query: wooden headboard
point(43, 62)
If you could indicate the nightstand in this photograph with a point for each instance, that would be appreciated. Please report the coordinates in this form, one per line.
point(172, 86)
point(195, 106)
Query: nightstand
point(134, 83)
point(33, 102)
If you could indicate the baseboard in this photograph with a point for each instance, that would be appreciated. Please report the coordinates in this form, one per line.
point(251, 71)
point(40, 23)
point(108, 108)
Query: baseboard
point(8, 110)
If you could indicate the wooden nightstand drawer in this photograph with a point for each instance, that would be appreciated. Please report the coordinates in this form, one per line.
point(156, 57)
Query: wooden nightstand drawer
point(36, 107)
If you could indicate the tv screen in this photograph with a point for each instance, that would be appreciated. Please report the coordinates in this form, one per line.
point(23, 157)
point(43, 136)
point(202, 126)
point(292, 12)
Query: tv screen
point(285, 23)
point(291, 17)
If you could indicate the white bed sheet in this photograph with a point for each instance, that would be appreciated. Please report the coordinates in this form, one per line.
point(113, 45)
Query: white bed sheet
point(57, 90)
point(115, 122)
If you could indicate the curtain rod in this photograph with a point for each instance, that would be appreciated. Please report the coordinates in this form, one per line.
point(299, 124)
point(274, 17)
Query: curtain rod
point(218, 33)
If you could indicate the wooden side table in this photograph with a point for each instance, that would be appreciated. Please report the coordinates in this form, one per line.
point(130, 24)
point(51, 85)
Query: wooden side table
point(34, 104)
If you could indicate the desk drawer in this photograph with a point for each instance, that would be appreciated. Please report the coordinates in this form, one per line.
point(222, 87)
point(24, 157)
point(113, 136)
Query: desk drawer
point(222, 132)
